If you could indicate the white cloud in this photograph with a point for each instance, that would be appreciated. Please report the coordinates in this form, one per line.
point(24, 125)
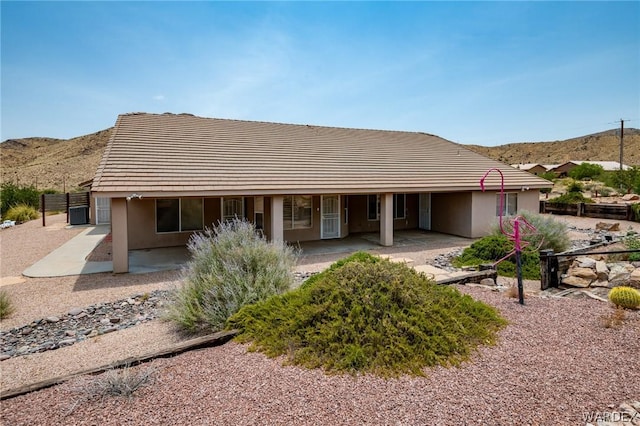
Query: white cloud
point(158, 98)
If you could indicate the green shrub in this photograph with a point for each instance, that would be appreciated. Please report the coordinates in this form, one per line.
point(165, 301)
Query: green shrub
point(550, 176)
point(605, 191)
point(570, 198)
point(369, 315)
point(632, 242)
point(635, 208)
point(21, 213)
point(575, 187)
point(6, 306)
point(549, 233)
point(12, 195)
point(493, 248)
point(231, 265)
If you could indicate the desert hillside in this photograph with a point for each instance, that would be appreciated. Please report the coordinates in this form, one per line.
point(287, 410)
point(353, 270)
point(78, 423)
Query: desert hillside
point(65, 163)
point(53, 163)
point(603, 146)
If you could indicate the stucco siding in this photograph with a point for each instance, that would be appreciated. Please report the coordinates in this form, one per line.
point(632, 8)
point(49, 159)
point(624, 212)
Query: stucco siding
point(451, 213)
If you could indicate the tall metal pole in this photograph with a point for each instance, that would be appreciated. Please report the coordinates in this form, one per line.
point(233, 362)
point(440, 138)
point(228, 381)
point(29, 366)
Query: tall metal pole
point(621, 140)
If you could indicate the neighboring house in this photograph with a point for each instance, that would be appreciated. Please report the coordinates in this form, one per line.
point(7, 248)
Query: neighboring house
point(533, 168)
point(170, 175)
point(609, 166)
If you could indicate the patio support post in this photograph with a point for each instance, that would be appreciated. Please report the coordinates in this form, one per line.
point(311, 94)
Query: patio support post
point(386, 219)
point(277, 218)
point(119, 235)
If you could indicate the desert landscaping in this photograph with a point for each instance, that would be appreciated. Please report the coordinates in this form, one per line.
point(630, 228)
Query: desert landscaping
point(557, 361)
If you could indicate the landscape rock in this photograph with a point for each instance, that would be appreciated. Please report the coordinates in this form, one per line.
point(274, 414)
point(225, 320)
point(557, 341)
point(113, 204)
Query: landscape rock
point(602, 270)
point(75, 311)
point(585, 262)
point(488, 282)
point(634, 278)
point(610, 227)
point(575, 281)
point(79, 324)
point(630, 197)
point(601, 283)
point(586, 273)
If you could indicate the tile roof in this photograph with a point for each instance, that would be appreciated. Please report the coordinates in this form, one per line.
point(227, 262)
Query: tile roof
point(181, 154)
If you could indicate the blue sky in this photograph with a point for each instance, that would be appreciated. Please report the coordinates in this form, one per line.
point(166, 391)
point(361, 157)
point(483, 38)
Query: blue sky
point(484, 73)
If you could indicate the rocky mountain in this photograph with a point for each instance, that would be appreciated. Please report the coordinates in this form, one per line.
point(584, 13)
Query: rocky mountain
point(63, 164)
point(603, 146)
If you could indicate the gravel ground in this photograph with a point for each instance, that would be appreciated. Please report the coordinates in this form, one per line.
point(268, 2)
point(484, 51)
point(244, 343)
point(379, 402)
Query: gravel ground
point(554, 363)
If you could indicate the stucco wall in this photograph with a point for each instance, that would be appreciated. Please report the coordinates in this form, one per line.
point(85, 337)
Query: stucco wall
point(451, 213)
point(484, 209)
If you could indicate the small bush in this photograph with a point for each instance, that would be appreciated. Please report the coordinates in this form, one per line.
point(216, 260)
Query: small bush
point(21, 213)
point(369, 315)
point(549, 233)
point(614, 319)
point(231, 266)
point(575, 187)
point(112, 383)
point(605, 191)
point(632, 242)
point(493, 248)
point(570, 198)
point(6, 305)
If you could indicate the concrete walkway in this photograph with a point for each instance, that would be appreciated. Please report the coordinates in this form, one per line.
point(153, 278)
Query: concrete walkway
point(70, 258)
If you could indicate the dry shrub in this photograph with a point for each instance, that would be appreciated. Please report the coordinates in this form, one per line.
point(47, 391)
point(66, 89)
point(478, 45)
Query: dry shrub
point(614, 319)
point(122, 382)
point(512, 292)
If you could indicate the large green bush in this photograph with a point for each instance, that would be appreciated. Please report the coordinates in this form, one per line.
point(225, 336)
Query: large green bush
point(12, 195)
point(231, 266)
point(549, 233)
point(21, 213)
point(489, 250)
point(369, 315)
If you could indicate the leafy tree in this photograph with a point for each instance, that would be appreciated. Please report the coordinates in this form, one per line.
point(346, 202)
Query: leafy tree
point(550, 176)
point(586, 170)
point(627, 180)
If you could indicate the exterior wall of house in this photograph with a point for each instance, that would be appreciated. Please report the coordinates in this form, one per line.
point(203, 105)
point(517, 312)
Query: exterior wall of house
point(484, 213)
point(358, 221)
point(451, 213)
point(484, 209)
point(537, 170)
point(142, 224)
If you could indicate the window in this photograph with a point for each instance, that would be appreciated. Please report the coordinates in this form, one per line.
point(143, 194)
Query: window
point(399, 206)
point(510, 204)
point(297, 212)
point(179, 214)
point(373, 206)
point(232, 207)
